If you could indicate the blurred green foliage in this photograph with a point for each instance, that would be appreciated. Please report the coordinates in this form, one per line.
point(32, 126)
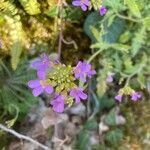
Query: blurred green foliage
point(120, 40)
point(15, 98)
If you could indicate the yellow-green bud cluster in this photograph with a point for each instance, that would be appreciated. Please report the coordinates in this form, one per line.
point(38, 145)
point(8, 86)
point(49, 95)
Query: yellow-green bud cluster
point(126, 91)
point(61, 78)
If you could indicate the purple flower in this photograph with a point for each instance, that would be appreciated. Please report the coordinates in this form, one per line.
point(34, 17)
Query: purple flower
point(82, 70)
point(135, 96)
point(118, 98)
point(40, 85)
point(58, 103)
point(78, 94)
point(102, 10)
point(42, 64)
point(84, 4)
point(110, 78)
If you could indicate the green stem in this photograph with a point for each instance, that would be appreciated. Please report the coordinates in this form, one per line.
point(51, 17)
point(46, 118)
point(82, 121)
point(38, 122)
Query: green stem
point(134, 73)
point(127, 18)
point(94, 55)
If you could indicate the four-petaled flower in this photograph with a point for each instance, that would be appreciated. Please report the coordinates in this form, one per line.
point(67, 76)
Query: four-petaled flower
point(84, 4)
point(102, 10)
point(83, 70)
point(40, 85)
point(58, 103)
point(118, 98)
point(135, 96)
point(78, 94)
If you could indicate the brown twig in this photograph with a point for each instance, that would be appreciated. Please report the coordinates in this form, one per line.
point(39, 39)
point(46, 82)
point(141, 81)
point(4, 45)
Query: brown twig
point(60, 4)
point(70, 42)
point(21, 136)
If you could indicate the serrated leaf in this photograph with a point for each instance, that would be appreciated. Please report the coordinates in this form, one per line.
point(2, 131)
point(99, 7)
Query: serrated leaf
point(16, 51)
point(91, 124)
point(82, 140)
point(52, 12)
point(114, 31)
point(114, 4)
point(111, 118)
point(93, 23)
point(106, 103)
point(114, 136)
point(133, 7)
point(121, 47)
point(138, 41)
point(146, 22)
point(32, 7)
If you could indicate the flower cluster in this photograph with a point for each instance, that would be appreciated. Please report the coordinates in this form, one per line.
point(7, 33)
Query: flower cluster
point(61, 81)
point(86, 4)
point(128, 91)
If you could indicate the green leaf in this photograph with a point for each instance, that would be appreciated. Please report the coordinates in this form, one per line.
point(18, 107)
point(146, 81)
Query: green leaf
point(92, 28)
point(116, 5)
point(114, 31)
point(91, 124)
point(106, 103)
point(138, 40)
point(114, 137)
point(111, 119)
point(52, 12)
point(146, 22)
point(133, 7)
point(93, 20)
point(82, 140)
point(32, 7)
point(121, 47)
point(15, 54)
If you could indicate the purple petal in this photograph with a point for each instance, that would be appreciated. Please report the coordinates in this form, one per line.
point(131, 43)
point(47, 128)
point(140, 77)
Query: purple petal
point(59, 108)
point(82, 95)
point(72, 93)
point(109, 79)
point(33, 83)
point(58, 104)
point(86, 2)
point(86, 67)
point(78, 94)
point(76, 3)
point(83, 7)
point(83, 78)
point(41, 75)
point(135, 96)
point(102, 11)
point(37, 91)
point(36, 64)
point(118, 98)
point(77, 99)
point(90, 73)
point(48, 89)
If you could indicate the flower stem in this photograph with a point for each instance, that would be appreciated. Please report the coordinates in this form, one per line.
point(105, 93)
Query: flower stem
point(94, 55)
point(61, 30)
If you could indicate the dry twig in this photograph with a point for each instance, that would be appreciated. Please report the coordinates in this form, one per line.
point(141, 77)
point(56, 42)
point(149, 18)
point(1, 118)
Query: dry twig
point(20, 136)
